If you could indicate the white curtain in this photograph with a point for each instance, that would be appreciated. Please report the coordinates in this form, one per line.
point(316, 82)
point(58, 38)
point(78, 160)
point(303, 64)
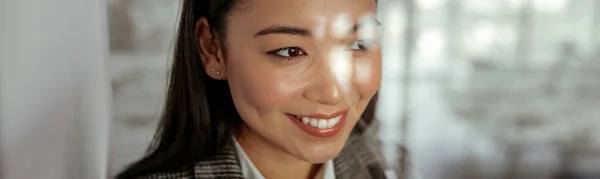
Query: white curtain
point(54, 89)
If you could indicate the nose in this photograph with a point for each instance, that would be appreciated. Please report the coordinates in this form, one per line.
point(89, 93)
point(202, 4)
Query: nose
point(325, 87)
point(326, 91)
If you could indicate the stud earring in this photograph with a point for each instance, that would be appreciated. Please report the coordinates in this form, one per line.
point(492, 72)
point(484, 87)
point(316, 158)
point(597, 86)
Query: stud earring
point(218, 73)
point(212, 69)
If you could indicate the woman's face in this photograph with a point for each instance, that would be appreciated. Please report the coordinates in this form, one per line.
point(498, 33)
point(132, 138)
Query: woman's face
point(302, 72)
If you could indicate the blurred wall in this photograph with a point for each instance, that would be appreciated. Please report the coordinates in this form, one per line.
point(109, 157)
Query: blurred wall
point(141, 40)
point(54, 89)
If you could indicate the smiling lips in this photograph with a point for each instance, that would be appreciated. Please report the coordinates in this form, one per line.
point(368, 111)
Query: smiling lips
point(320, 125)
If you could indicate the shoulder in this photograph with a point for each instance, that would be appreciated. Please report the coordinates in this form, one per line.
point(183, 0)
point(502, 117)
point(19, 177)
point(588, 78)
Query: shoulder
point(222, 165)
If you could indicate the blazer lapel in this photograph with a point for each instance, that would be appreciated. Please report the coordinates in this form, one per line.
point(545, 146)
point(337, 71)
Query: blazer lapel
point(359, 159)
point(362, 157)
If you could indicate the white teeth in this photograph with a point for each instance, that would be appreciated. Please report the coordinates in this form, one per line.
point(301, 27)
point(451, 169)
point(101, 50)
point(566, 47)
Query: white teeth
point(305, 120)
point(314, 122)
point(332, 122)
point(322, 124)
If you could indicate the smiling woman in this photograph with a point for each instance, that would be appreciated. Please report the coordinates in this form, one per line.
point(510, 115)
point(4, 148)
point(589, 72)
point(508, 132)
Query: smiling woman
point(270, 89)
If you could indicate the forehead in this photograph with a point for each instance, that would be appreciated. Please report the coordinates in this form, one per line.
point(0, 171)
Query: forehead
point(258, 14)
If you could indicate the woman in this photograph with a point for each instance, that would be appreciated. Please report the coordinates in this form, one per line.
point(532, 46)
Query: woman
point(270, 89)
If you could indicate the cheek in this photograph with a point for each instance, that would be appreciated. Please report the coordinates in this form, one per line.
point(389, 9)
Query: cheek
point(252, 88)
point(368, 75)
point(258, 86)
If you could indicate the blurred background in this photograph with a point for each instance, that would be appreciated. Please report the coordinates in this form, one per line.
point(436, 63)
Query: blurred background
point(498, 89)
point(141, 45)
point(474, 88)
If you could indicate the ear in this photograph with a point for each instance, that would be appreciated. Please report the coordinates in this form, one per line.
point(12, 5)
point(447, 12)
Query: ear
point(209, 48)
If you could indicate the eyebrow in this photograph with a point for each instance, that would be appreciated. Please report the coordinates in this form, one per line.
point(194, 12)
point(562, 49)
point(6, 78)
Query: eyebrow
point(358, 26)
point(291, 30)
point(283, 29)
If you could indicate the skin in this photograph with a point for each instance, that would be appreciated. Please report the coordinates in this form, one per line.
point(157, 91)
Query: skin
point(265, 84)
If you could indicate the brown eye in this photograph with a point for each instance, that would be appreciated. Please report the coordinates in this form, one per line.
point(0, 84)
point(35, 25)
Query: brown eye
point(294, 52)
point(289, 52)
point(360, 45)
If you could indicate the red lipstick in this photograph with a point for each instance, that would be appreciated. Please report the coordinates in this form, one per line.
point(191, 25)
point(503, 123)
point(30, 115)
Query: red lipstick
point(320, 125)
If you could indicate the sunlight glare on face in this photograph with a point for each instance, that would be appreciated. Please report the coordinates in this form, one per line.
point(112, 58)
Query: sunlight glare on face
point(319, 31)
point(363, 72)
point(341, 25)
point(369, 29)
point(342, 67)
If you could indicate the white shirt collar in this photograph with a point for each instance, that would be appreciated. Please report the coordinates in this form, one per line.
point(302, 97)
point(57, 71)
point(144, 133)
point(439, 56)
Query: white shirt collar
point(250, 171)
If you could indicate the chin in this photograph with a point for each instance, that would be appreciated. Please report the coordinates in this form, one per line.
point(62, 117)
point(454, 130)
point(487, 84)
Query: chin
point(316, 152)
point(320, 156)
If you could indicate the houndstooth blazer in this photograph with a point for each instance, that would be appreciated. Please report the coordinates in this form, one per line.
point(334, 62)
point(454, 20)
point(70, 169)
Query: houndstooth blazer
point(360, 158)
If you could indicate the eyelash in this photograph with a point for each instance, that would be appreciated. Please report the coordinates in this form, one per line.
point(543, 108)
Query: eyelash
point(366, 46)
point(278, 51)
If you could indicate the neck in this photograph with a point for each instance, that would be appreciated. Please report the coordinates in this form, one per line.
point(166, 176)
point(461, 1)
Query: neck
point(272, 161)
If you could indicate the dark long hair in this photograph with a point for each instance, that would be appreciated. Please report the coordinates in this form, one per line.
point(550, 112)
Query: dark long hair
point(199, 116)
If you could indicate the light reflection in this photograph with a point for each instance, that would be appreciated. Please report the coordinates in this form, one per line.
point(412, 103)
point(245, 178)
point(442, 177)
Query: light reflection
point(431, 43)
point(482, 38)
point(340, 25)
point(342, 66)
point(482, 6)
point(541, 5)
point(430, 4)
point(370, 29)
point(431, 46)
point(363, 71)
point(549, 5)
point(516, 4)
point(319, 31)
